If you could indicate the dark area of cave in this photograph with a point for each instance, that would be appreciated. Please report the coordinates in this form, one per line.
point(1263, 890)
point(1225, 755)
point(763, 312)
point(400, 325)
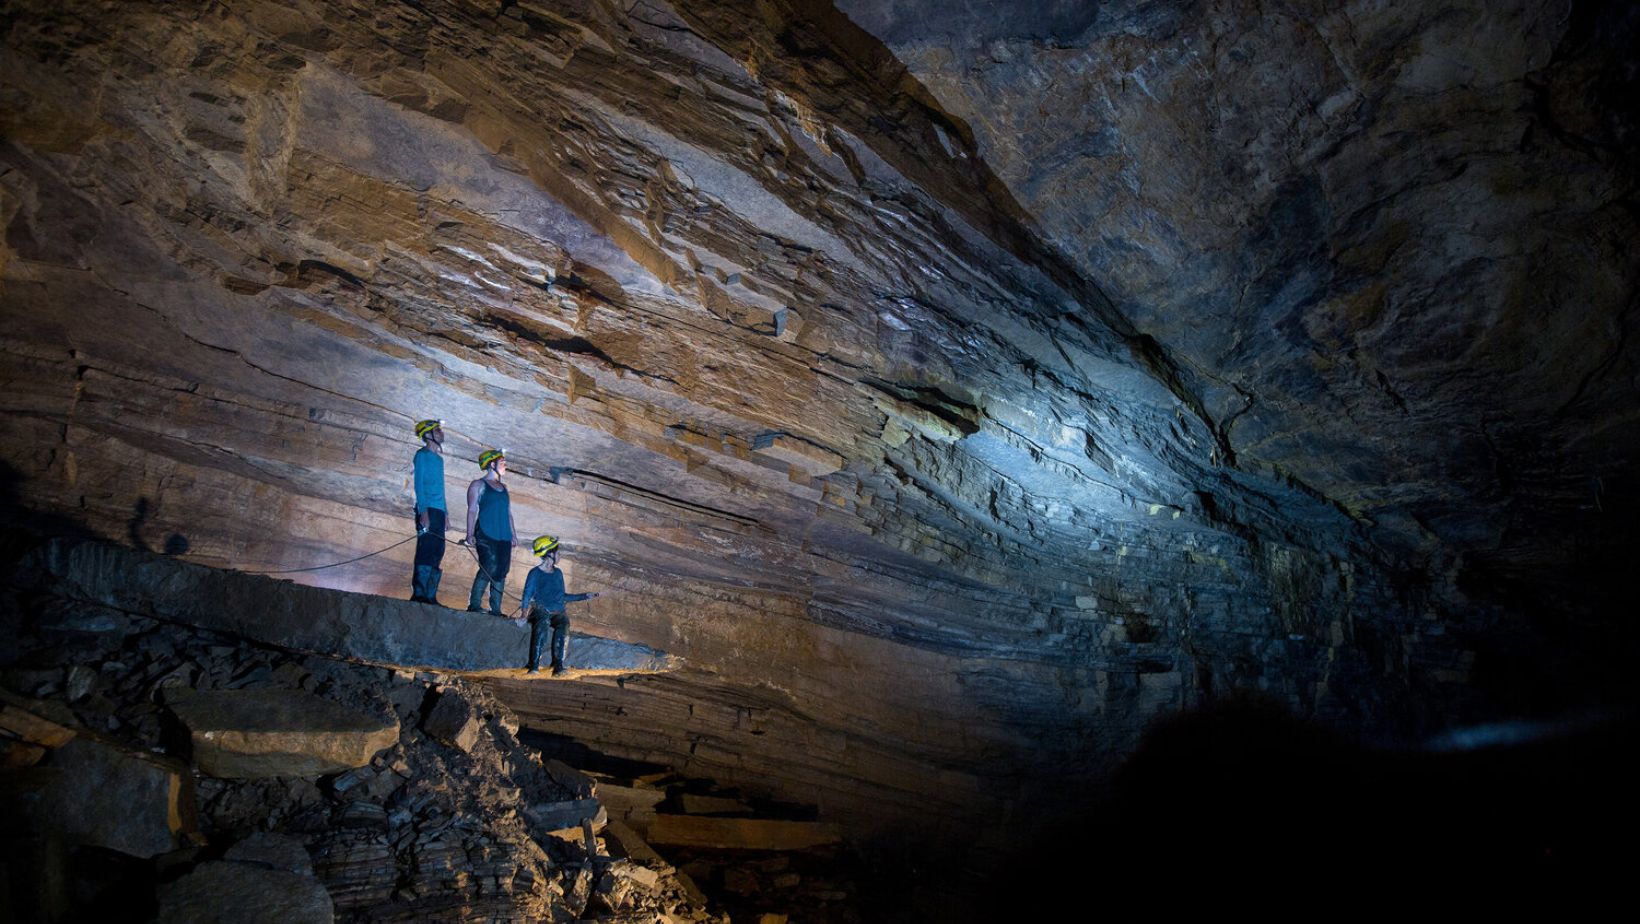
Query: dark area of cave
point(1032, 457)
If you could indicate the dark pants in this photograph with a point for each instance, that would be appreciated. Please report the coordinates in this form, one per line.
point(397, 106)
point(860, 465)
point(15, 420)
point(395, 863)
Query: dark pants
point(559, 623)
point(494, 560)
point(429, 555)
point(430, 544)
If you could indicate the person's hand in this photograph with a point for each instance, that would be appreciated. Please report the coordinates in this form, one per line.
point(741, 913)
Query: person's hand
point(595, 595)
point(520, 621)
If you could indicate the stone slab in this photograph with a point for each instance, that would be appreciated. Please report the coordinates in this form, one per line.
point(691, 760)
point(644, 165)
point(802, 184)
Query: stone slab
point(693, 804)
point(634, 805)
point(740, 833)
point(20, 723)
point(247, 734)
point(303, 618)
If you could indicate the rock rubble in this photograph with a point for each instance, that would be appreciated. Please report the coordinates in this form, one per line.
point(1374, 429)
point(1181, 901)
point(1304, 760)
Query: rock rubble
point(381, 794)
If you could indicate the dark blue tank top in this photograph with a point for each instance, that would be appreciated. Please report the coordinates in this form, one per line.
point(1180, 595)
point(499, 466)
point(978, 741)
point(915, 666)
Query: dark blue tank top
point(495, 513)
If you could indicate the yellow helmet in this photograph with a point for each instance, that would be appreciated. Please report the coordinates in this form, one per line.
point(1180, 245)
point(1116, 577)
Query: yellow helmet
point(544, 545)
point(424, 427)
point(490, 455)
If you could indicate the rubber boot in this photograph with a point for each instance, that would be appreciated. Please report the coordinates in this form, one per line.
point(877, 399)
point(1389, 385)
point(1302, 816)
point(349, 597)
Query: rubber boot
point(420, 585)
point(434, 575)
point(560, 642)
point(475, 600)
point(538, 642)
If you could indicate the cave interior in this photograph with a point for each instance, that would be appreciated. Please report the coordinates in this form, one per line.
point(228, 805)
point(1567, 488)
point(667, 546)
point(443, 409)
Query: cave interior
point(1123, 430)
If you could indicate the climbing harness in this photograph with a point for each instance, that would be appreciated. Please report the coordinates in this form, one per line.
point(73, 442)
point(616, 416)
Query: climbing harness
point(331, 565)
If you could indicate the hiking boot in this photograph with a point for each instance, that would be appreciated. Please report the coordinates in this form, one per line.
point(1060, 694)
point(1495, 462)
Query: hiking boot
point(558, 670)
point(474, 609)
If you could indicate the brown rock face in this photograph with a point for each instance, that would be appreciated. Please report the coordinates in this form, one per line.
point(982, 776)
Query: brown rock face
point(952, 391)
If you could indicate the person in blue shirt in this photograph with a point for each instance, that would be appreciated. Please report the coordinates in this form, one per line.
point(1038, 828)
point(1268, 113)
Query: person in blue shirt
point(544, 600)
point(490, 531)
point(430, 511)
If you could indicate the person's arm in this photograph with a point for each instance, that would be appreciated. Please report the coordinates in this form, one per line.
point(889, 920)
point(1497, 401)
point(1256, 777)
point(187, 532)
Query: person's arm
point(518, 541)
point(423, 482)
point(577, 598)
point(473, 492)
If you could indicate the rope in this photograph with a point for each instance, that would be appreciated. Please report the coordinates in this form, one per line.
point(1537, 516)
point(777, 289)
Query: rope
point(333, 564)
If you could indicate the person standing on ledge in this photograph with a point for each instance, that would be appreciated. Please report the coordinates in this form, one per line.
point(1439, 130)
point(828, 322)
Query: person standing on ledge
point(544, 599)
point(430, 512)
point(490, 530)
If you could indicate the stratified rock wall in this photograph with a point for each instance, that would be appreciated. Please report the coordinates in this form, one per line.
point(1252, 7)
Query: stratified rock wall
point(949, 422)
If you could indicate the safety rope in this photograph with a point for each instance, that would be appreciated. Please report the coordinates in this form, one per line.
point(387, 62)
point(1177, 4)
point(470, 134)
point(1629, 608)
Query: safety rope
point(470, 551)
point(331, 565)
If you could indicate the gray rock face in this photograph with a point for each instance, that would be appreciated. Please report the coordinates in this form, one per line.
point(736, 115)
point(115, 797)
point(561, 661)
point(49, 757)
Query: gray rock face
point(243, 734)
point(954, 391)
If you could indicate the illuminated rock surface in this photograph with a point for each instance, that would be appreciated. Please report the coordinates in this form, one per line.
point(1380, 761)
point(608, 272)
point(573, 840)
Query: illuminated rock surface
point(952, 389)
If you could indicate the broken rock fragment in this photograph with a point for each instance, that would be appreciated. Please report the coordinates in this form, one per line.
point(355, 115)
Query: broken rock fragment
point(453, 721)
point(246, 734)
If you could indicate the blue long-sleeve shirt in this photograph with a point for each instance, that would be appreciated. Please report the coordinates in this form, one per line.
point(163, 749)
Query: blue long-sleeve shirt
point(545, 589)
point(429, 480)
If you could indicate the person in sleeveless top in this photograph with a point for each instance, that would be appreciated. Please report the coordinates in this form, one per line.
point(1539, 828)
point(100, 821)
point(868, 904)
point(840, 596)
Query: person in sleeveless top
point(490, 531)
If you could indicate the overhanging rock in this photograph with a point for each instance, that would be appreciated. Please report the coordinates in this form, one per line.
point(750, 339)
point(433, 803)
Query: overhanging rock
point(311, 619)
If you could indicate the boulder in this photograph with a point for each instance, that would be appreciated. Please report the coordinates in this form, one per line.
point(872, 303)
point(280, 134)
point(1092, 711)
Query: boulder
point(242, 734)
point(105, 795)
point(226, 892)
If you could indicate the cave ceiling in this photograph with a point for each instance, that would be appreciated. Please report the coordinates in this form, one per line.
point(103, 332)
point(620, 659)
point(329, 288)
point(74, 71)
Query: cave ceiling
point(1025, 369)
